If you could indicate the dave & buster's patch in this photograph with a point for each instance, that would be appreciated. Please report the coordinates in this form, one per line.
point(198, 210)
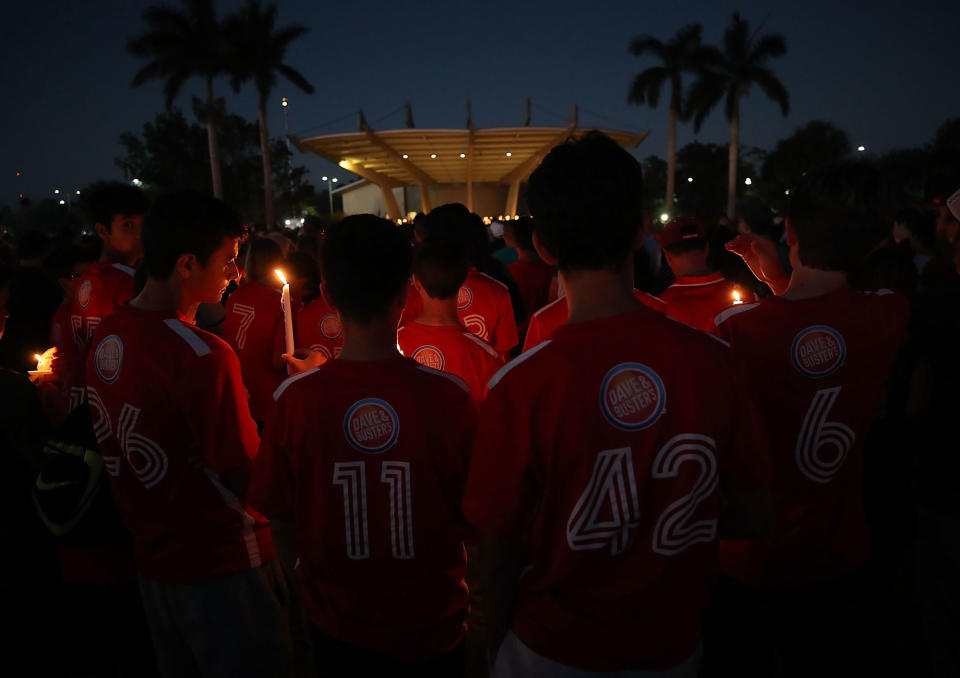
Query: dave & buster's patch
point(818, 351)
point(330, 326)
point(429, 356)
point(108, 358)
point(632, 396)
point(371, 425)
point(464, 298)
point(84, 293)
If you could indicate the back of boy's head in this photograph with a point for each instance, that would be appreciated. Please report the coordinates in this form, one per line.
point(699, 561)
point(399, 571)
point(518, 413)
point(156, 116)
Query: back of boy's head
point(365, 264)
point(104, 200)
point(454, 221)
point(440, 266)
point(185, 222)
point(837, 215)
point(585, 198)
point(265, 255)
point(521, 232)
point(303, 265)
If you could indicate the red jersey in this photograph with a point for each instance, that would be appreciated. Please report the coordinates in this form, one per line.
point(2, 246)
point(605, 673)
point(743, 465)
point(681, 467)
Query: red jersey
point(604, 464)
point(483, 306)
point(102, 289)
point(696, 300)
point(170, 414)
point(816, 368)
point(533, 278)
point(369, 459)
point(452, 349)
point(319, 328)
point(544, 322)
point(254, 328)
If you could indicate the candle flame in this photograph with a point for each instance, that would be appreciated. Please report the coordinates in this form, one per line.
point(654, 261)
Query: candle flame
point(45, 360)
point(280, 275)
point(736, 297)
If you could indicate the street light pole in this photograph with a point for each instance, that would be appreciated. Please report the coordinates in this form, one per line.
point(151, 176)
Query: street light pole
point(330, 182)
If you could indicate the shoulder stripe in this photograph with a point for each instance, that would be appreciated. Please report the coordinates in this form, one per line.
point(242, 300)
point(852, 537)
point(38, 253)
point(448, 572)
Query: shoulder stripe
point(552, 303)
point(732, 311)
point(716, 338)
point(289, 380)
point(502, 372)
point(482, 344)
point(884, 292)
point(700, 284)
point(492, 279)
point(446, 375)
point(198, 345)
point(126, 269)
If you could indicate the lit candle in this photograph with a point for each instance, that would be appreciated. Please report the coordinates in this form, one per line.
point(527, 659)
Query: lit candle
point(287, 313)
point(736, 298)
point(44, 362)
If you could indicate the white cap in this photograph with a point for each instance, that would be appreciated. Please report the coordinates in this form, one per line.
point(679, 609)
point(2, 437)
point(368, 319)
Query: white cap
point(496, 229)
point(953, 204)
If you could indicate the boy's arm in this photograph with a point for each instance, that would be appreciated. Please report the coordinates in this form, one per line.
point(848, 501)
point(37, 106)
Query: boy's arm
point(500, 566)
point(760, 256)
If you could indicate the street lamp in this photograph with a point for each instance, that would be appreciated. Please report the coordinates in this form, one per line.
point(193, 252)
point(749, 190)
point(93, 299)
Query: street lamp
point(861, 149)
point(330, 182)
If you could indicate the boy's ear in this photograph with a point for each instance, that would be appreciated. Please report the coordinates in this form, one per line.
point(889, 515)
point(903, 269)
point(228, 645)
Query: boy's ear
point(416, 283)
point(186, 265)
point(102, 230)
point(542, 251)
point(326, 297)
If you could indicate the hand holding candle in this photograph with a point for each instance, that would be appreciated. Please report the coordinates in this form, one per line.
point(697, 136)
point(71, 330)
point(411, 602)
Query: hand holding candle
point(287, 313)
point(44, 371)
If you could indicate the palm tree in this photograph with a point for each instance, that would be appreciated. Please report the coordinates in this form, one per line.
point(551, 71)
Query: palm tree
point(729, 76)
point(258, 52)
point(682, 53)
point(181, 44)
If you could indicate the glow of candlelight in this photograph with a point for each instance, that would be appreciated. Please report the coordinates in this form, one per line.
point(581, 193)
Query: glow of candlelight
point(736, 297)
point(280, 275)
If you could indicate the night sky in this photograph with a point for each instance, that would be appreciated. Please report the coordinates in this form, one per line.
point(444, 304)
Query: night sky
point(886, 72)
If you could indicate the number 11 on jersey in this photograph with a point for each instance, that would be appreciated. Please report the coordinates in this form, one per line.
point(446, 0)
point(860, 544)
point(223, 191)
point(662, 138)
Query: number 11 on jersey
point(352, 478)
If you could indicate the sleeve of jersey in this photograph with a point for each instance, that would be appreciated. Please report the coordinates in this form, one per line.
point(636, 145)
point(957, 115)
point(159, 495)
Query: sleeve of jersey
point(226, 431)
point(505, 336)
point(497, 495)
point(534, 334)
point(272, 485)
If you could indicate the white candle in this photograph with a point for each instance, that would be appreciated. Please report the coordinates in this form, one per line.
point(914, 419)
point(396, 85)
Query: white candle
point(287, 313)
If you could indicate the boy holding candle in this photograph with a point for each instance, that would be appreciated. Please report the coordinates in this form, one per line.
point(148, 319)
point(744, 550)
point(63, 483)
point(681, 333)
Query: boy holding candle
point(170, 413)
point(437, 338)
point(254, 326)
point(815, 359)
point(598, 477)
point(698, 293)
point(367, 456)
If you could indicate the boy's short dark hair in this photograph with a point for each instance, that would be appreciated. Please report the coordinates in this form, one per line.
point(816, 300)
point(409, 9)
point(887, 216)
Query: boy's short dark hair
point(454, 221)
point(185, 222)
point(264, 256)
point(586, 202)
point(440, 266)
point(521, 232)
point(365, 264)
point(837, 215)
point(303, 265)
point(102, 201)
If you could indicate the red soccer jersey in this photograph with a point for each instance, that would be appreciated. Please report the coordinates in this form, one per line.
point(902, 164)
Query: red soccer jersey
point(254, 328)
point(484, 308)
point(816, 370)
point(696, 300)
point(170, 414)
point(452, 349)
point(544, 322)
point(319, 328)
point(369, 459)
point(533, 278)
point(102, 289)
point(605, 464)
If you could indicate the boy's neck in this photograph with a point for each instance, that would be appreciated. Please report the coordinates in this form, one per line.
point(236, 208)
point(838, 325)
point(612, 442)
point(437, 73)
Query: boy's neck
point(164, 295)
point(808, 283)
point(110, 257)
point(526, 255)
point(438, 312)
point(376, 340)
point(596, 294)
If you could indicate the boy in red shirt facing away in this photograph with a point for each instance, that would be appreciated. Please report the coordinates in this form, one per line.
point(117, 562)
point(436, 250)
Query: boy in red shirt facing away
point(116, 211)
point(367, 456)
point(597, 476)
point(254, 326)
point(170, 414)
point(697, 294)
point(318, 327)
point(436, 338)
point(533, 275)
point(815, 358)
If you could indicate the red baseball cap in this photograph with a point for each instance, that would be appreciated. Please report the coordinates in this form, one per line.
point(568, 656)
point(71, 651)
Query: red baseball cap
point(680, 229)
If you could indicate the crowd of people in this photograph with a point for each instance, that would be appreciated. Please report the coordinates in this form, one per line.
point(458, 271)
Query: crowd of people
point(573, 449)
